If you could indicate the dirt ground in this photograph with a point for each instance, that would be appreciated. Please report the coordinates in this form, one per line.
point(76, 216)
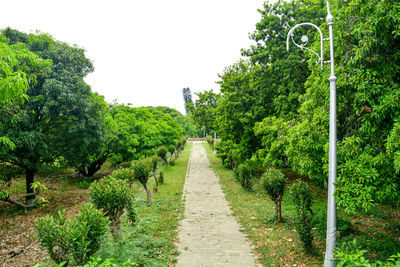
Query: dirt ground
point(18, 241)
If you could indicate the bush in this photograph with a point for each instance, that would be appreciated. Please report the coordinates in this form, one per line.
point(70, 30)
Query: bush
point(72, 241)
point(302, 197)
point(244, 176)
point(351, 254)
point(162, 153)
point(124, 173)
point(171, 149)
point(274, 182)
point(161, 177)
point(154, 162)
point(111, 195)
point(210, 140)
point(142, 168)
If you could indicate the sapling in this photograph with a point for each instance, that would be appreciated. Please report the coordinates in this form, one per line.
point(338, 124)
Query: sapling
point(162, 153)
point(141, 169)
point(112, 195)
point(171, 149)
point(273, 182)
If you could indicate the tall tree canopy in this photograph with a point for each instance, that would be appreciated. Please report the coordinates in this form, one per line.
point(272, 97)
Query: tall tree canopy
point(58, 101)
point(187, 97)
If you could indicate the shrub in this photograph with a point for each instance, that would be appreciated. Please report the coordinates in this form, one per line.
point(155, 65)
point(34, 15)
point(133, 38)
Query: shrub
point(142, 168)
point(161, 177)
point(162, 153)
point(302, 197)
point(154, 162)
point(274, 182)
point(111, 195)
point(210, 140)
point(171, 149)
point(124, 173)
point(351, 254)
point(72, 241)
point(244, 176)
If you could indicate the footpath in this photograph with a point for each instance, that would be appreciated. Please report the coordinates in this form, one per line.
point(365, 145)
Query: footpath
point(209, 235)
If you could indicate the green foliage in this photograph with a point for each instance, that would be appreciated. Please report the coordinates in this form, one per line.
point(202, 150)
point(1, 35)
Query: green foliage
point(59, 100)
point(302, 197)
point(244, 176)
point(210, 140)
point(274, 182)
point(343, 226)
point(72, 241)
point(187, 97)
point(112, 195)
point(350, 254)
point(162, 153)
point(142, 169)
point(124, 173)
point(203, 111)
point(161, 177)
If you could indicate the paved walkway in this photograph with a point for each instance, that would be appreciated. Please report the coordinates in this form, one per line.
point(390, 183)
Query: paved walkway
point(208, 234)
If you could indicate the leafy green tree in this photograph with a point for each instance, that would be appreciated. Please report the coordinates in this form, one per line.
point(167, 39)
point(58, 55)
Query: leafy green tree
point(274, 182)
point(58, 100)
point(203, 111)
point(141, 170)
point(189, 129)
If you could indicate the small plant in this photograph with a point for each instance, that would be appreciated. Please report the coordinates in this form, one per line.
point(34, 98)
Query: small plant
point(154, 161)
point(162, 153)
point(171, 149)
point(111, 195)
point(274, 182)
point(244, 176)
point(161, 177)
point(142, 168)
point(72, 241)
point(302, 197)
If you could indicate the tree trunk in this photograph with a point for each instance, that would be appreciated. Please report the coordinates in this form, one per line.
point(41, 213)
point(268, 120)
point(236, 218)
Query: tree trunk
point(115, 226)
point(29, 174)
point(278, 210)
point(148, 195)
point(155, 179)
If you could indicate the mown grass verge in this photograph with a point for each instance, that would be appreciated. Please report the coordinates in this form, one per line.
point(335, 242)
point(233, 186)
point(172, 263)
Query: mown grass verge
point(278, 244)
point(152, 240)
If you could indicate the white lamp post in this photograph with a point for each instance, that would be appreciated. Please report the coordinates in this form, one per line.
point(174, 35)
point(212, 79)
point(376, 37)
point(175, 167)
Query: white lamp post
point(331, 214)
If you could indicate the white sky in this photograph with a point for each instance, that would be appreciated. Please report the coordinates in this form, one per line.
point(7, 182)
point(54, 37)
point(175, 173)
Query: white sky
point(144, 52)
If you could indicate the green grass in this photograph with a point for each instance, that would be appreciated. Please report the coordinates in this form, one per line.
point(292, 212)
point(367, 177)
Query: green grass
point(152, 240)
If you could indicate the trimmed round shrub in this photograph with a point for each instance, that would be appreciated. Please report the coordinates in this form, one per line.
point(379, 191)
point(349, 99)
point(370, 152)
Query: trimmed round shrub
point(274, 182)
point(142, 169)
point(162, 153)
point(111, 195)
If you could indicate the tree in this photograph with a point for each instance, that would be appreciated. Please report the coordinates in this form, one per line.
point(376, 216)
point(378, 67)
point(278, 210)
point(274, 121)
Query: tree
point(58, 101)
point(141, 170)
point(203, 112)
point(187, 97)
point(274, 182)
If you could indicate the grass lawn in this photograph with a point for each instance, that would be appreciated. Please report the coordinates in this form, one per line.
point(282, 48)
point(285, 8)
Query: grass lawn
point(278, 244)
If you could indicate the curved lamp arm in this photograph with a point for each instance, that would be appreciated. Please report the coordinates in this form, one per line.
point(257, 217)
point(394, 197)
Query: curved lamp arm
point(304, 40)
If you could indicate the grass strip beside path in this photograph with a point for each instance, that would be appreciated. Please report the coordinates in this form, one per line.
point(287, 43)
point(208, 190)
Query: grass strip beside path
point(152, 241)
point(275, 244)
